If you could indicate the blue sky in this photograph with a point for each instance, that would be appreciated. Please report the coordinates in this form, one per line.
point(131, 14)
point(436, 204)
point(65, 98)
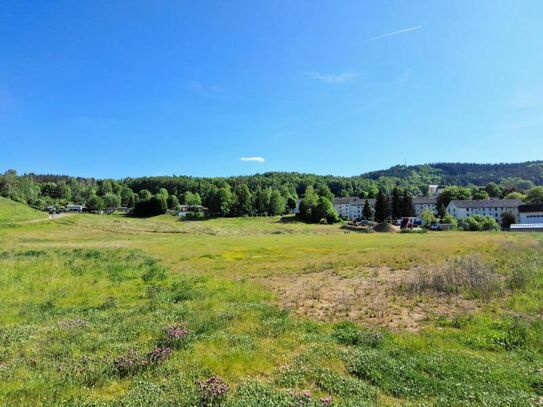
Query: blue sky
point(129, 88)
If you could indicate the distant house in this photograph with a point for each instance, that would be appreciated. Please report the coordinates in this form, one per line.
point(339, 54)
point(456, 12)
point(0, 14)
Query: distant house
point(352, 208)
point(74, 208)
point(531, 214)
point(422, 203)
point(485, 207)
point(433, 190)
point(184, 210)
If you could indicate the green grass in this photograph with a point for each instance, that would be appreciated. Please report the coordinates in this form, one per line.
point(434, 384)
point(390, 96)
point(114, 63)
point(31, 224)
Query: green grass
point(84, 295)
point(11, 211)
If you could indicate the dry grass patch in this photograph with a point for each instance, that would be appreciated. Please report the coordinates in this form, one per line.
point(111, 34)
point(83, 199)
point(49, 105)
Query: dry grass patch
point(371, 296)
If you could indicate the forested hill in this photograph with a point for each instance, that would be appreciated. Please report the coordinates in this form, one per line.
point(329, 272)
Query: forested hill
point(464, 173)
point(40, 191)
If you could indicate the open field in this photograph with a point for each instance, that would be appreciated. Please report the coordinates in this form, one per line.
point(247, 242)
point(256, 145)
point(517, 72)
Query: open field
point(276, 308)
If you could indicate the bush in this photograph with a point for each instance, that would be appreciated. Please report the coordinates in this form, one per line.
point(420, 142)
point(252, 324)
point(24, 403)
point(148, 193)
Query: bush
point(477, 223)
point(348, 333)
point(157, 205)
point(212, 391)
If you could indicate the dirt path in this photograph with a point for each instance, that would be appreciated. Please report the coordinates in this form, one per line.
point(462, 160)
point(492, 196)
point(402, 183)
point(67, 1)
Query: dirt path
point(56, 216)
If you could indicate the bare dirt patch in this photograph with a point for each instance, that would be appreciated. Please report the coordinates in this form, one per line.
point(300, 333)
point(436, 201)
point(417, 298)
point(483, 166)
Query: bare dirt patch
point(371, 296)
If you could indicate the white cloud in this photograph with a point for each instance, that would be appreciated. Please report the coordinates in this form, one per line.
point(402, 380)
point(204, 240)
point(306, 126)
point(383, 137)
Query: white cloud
point(334, 78)
point(254, 159)
point(392, 33)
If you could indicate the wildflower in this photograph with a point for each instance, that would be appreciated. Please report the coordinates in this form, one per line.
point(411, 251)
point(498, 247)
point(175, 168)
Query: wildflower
point(326, 401)
point(212, 391)
point(129, 363)
point(159, 355)
point(176, 335)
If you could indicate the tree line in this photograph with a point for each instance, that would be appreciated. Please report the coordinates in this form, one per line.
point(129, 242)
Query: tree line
point(269, 193)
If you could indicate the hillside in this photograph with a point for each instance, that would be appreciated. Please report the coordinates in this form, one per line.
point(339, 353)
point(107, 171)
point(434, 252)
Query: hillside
point(11, 211)
point(464, 173)
point(219, 194)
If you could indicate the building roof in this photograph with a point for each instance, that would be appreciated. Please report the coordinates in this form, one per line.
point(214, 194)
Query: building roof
point(421, 200)
point(353, 200)
point(530, 208)
point(488, 203)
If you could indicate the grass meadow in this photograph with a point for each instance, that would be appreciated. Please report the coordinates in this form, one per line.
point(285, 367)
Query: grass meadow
point(115, 311)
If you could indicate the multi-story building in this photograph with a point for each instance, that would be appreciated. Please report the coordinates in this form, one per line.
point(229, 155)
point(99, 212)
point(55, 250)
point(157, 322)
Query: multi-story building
point(531, 214)
point(352, 208)
point(421, 203)
point(487, 207)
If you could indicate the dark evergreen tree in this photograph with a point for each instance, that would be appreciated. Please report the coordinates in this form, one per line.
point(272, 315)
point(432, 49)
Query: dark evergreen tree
point(396, 204)
point(408, 209)
point(367, 211)
point(382, 207)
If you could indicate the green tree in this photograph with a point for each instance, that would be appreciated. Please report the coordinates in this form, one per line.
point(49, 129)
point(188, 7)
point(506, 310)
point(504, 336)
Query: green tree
point(277, 203)
point(479, 194)
point(173, 202)
point(127, 196)
point(449, 219)
point(535, 195)
point(262, 200)
point(111, 200)
point(63, 191)
point(367, 212)
point(144, 195)
point(157, 205)
point(192, 199)
point(222, 202)
point(515, 195)
point(104, 187)
point(308, 204)
point(428, 217)
point(163, 193)
point(382, 207)
point(396, 204)
point(508, 219)
point(324, 190)
point(452, 193)
point(325, 210)
point(95, 203)
point(243, 202)
point(493, 190)
point(408, 209)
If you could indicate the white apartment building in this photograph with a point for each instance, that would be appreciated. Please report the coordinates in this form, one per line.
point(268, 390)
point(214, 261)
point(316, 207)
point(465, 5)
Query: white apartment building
point(352, 208)
point(485, 207)
point(422, 203)
point(531, 214)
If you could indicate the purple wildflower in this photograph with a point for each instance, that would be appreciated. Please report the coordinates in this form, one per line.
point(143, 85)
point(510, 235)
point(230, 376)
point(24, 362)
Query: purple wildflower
point(212, 391)
point(129, 363)
point(326, 401)
point(159, 355)
point(301, 399)
point(176, 335)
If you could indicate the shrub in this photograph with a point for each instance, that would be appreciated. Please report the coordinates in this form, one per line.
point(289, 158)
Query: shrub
point(129, 363)
point(348, 333)
point(477, 223)
point(177, 336)
point(212, 391)
point(159, 355)
point(156, 205)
